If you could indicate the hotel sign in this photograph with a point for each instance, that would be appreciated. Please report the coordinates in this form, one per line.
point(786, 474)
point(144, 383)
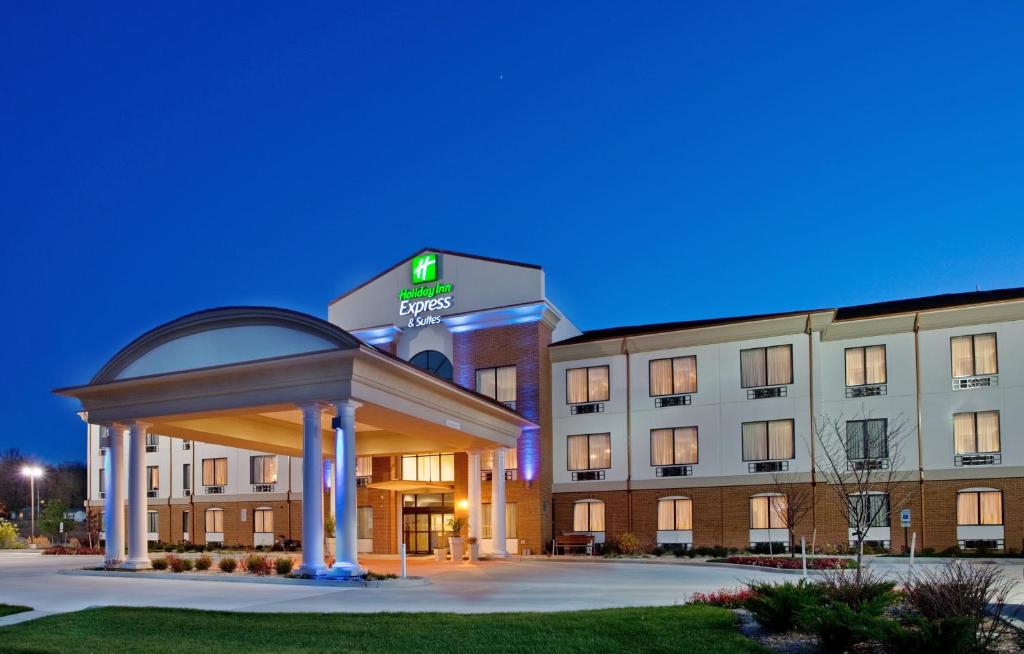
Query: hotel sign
point(423, 303)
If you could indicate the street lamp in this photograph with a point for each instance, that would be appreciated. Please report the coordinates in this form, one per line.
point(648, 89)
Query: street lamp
point(32, 472)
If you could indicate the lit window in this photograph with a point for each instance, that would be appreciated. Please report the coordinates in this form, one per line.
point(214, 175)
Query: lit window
point(673, 376)
point(976, 432)
point(766, 366)
point(364, 466)
point(429, 467)
point(215, 472)
point(589, 451)
point(152, 478)
point(364, 522)
point(498, 384)
point(768, 440)
point(214, 521)
point(973, 355)
point(865, 365)
point(510, 520)
point(867, 439)
point(673, 446)
point(675, 514)
point(983, 507)
point(263, 521)
point(586, 385)
point(588, 515)
point(511, 459)
point(768, 512)
point(263, 469)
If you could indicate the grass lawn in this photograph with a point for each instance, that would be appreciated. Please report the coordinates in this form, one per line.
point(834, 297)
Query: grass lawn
point(681, 629)
point(11, 609)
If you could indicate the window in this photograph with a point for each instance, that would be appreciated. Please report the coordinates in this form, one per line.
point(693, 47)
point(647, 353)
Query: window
point(498, 384)
point(263, 520)
point(152, 442)
point(673, 376)
point(865, 365)
point(675, 514)
point(511, 459)
point(434, 363)
point(185, 522)
point(766, 366)
point(263, 469)
point(976, 432)
point(590, 451)
point(980, 507)
point(673, 446)
point(586, 385)
point(364, 522)
point(364, 466)
point(103, 480)
point(215, 472)
point(768, 440)
point(186, 476)
point(768, 512)
point(151, 525)
point(152, 478)
point(870, 505)
point(429, 467)
point(510, 521)
point(214, 521)
point(588, 515)
point(867, 439)
point(973, 355)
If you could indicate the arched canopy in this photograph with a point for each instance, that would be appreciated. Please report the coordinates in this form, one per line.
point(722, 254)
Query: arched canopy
point(223, 336)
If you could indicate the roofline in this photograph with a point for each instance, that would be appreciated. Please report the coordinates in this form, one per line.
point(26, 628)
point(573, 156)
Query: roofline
point(453, 253)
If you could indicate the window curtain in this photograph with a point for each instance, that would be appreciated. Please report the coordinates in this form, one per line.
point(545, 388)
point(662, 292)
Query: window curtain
point(985, 354)
point(598, 383)
point(510, 520)
point(579, 453)
point(875, 364)
point(485, 521)
point(511, 459)
point(755, 441)
point(967, 509)
point(855, 374)
point(600, 451)
point(779, 506)
point(879, 510)
point(855, 438)
point(963, 432)
point(877, 439)
point(752, 368)
point(596, 516)
point(364, 466)
point(221, 469)
point(780, 365)
point(214, 521)
point(684, 515)
point(666, 515)
point(988, 431)
point(505, 390)
point(991, 507)
point(485, 382)
point(661, 377)
point(580, 516)
point(151, 525)
point(780, 439)
point(758, 512)
point(684, 374)
point(263, 521)
point(408, 467)
point(686, 445)
point(364, 522)
point(576, 385)
point(152, 477)
point(446, 467)
point(661, 447)
point(963, 356)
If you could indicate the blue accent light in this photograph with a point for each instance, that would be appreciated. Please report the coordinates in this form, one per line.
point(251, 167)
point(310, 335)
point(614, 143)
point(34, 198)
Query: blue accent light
point(529, 453)
point(495, 318)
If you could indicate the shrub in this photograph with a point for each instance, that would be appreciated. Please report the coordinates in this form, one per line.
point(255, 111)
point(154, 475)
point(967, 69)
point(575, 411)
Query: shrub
point(283, 565)
point(921, 636)
point(840, 626)
point(863, 591)
point(68, 551)
point(176, 563)
point(227, 565)
point(726, 598)
point(628, 543)
point(203, 562)
point(777, 606)
point(259, 565)
point(768, 548)
point(377, 576)
point(187, 564)
point(160, 564)
point(790, 563)
point(8, 534)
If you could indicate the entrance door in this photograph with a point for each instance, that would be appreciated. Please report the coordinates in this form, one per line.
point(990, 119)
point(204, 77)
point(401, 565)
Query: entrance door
point(425, 522)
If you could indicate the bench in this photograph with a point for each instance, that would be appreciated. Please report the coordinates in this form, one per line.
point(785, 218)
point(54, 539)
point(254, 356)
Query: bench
point(568, 541)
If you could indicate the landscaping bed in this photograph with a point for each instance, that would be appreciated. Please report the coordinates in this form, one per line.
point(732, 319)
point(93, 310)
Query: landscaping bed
point(789, 563)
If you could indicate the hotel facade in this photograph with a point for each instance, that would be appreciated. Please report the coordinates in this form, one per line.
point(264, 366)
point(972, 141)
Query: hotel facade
point(451, 385)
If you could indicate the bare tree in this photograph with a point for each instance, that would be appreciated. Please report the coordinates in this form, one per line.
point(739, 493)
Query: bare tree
point(799, 500)
point(860, 458)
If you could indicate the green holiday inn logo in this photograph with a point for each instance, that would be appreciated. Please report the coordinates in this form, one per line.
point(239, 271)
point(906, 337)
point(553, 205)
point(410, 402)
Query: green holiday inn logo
point(423, 268)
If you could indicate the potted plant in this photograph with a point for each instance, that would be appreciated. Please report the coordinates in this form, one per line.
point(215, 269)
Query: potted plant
point(455, 525)
point(474, 549)
point(329, 526)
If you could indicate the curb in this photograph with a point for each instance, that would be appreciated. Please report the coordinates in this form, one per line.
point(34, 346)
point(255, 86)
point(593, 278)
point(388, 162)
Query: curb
point(408, 582)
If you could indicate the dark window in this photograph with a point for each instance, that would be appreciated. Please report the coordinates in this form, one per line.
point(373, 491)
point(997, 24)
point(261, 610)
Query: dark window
point(867, 439)
point(433, 362)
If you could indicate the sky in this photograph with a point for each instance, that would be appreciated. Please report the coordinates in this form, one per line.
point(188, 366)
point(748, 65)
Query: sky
point(661, 161)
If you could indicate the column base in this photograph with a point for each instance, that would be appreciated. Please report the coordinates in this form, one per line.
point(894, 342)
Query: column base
point(112, 563)
point(137, 564)
point(311, 571)
point(345, 571)
point(499, 555)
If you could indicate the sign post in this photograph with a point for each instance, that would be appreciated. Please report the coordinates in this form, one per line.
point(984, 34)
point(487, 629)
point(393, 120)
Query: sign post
point(905, 523)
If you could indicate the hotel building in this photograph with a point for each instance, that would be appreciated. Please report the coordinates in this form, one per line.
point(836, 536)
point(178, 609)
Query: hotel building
point(456, 387)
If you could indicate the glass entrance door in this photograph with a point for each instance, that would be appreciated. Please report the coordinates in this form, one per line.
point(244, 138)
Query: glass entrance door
point(425, 522)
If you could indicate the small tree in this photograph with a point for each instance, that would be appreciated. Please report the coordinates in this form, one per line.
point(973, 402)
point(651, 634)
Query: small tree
point(52, 517)
point(93, 527)
point(799, 499)
point(861, 461)
point(8, 534)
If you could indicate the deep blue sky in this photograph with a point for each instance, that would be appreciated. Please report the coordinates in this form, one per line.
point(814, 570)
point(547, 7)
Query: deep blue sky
point(662, 162)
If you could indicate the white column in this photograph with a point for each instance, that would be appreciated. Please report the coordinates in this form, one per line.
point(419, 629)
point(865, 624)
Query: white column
point(475, 512)
point(346, 545)
point(138, 554)
point(312, 492)
point(332, 501)
point(498, 504)
point(113, 493)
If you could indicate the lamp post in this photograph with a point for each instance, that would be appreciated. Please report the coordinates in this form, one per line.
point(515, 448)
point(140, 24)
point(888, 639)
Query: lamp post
point(32, 472)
